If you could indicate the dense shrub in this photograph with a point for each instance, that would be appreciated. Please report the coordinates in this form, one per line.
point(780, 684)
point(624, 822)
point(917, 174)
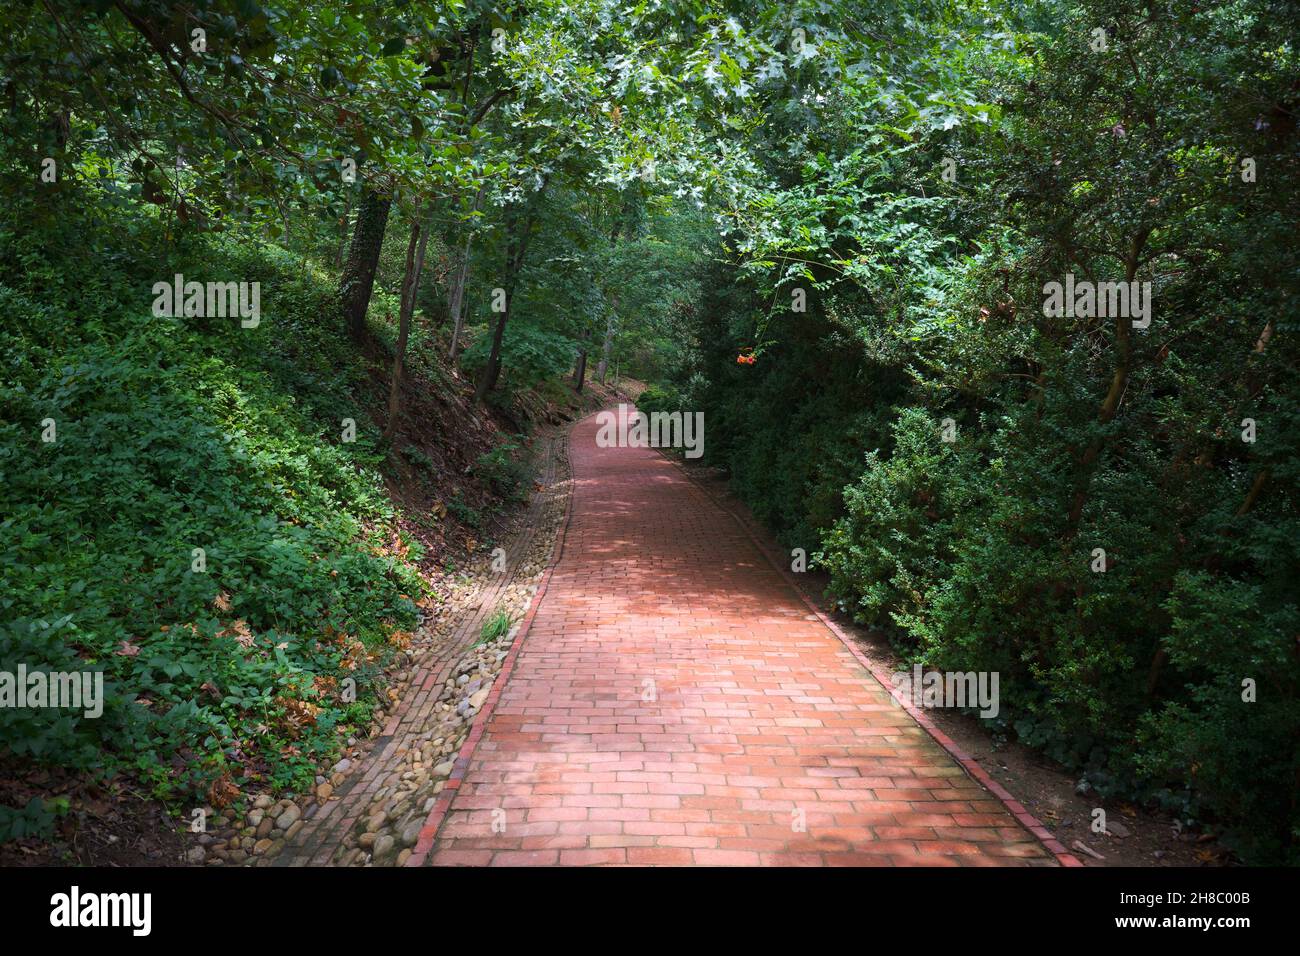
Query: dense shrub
point(529, 353)
point(173, 434)
point(506, 469)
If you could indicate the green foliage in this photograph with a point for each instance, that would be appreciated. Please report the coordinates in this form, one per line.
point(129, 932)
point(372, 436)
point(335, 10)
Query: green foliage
point(37, 819)
point(496, 626)
point(531, 354)
point(659, 398)
point(464, 513)
point(506, 470)
point(174, 434)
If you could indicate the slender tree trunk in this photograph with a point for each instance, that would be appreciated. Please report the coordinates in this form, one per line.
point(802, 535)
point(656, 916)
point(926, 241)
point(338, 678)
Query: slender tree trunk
point(492, 370)
point(580, 372)
point(410, 285)
point(516, 248)
point(488, 377)
point(358, 277)
point(457, 303)
point(343, 233)
point(603, 367)
point(1118, 383)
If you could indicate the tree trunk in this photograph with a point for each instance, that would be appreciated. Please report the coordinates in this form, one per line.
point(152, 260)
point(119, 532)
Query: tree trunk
point(492, 370)
point(343, 233)
point(516, 248)
point(603, 367)
point(410, 285)
point(363, 259)
point(580, 373)
point(1118, 383)
point(457, 302)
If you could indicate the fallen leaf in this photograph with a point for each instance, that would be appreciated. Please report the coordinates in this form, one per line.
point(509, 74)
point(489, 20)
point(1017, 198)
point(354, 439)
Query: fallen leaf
point(221, 793)
point(241, 632)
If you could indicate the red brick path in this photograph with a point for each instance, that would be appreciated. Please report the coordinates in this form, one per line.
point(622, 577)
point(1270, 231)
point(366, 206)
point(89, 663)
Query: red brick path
point(675, 702)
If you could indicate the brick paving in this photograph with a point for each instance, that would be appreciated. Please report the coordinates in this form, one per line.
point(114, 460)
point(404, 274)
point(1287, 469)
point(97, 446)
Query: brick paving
point(320, 840)
point(674, 701)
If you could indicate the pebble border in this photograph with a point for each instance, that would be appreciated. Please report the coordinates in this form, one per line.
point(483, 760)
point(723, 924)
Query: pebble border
point(429, 832)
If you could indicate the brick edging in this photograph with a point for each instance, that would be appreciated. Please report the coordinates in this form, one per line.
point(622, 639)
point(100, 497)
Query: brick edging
point(433, 822)
point(882, 677)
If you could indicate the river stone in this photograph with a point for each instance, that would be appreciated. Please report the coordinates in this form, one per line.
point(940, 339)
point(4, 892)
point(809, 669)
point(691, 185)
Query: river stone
point(289, 817)
point(411, 832)
point(383, 846)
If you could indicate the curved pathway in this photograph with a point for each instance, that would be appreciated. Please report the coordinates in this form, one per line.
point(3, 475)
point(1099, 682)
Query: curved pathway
point(674, 701)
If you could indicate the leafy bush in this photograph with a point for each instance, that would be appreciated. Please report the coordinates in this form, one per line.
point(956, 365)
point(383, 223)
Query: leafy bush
point(529, 354)
point(659, 398)
point(173, 435)
point(506, 470)
point(37, 819)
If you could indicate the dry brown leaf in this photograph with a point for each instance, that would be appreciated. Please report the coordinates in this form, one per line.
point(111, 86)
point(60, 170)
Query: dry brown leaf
point(222, 792)
point(240, 631)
